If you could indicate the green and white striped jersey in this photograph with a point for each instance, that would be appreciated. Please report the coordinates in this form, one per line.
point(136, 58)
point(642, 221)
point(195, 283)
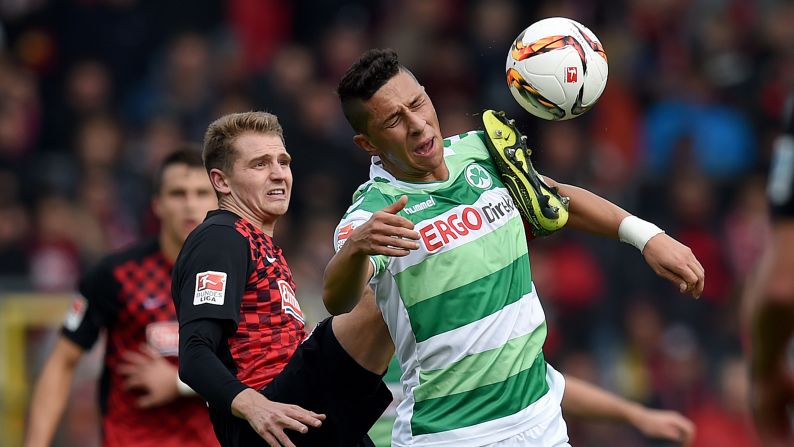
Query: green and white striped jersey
point(462, 310)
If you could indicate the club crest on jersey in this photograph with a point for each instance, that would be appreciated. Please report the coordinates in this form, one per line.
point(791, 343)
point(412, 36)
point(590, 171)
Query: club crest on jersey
point(289, 302)
point(478, 177)
point(163, 336)
point(210, 288)
point(76, 313)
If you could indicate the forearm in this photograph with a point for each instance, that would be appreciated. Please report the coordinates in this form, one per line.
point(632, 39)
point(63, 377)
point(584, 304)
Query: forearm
point(345, 279)
point(200, 367)
point(51, 394)
point(590, 212)
point(585, 400)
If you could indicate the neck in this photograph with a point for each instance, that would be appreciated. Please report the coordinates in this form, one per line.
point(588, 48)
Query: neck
point(169, 247)
point(229, 204)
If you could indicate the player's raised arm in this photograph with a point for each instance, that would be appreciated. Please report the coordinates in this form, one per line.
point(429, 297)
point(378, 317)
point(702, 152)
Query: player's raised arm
point(51, 393)
point(384, 234)
point(667, 257)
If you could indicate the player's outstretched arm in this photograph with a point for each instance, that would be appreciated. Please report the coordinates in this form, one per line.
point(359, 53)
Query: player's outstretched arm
point(51, 393)
point(588, 401)
point(667, 257)
point(348, 272)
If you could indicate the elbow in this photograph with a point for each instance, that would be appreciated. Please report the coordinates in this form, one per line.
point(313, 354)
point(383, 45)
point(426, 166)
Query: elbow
point(334, 306)
point(185, 367)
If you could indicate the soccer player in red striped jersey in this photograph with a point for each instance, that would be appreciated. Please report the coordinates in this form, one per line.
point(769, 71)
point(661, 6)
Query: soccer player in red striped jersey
point(243, 344)
point(127, 296)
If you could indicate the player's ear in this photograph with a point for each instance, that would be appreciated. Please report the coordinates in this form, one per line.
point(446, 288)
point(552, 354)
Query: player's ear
point(219, 181)
point(365, 143)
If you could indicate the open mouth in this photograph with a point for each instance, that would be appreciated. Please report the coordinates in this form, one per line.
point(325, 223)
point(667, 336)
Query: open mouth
point(426, 148)
point(277, 192)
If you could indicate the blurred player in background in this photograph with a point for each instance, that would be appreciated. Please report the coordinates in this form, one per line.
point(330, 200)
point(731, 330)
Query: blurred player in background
point(474, 371)
point(771, 304)
point(127, 296)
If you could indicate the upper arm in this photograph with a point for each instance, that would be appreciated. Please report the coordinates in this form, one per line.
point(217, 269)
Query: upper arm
point(358, 214)
point(66, 352)
point(210, 276)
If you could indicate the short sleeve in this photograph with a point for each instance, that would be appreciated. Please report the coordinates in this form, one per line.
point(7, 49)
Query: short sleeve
point(93, 308)
point(358, 214)
point(210, 275)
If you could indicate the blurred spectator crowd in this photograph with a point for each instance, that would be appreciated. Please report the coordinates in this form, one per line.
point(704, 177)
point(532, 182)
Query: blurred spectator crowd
point(94, 93)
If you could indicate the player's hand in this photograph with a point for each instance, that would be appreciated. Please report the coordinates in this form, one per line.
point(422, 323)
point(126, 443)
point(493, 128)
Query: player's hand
point(386, 233)
point(270, 419)
point(147, 371)
point(662, 424)
point(673, 260)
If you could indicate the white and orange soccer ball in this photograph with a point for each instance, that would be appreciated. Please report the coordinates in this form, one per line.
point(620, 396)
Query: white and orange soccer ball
point(557, 69)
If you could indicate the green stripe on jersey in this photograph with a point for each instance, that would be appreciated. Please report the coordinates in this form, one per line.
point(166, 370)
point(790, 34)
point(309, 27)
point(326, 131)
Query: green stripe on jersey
point(483, 404)
point(485, 368)
point(477, 258)
point(470, 302)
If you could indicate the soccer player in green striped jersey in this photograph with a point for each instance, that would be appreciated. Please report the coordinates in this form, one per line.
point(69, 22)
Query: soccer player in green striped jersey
point(438, 237)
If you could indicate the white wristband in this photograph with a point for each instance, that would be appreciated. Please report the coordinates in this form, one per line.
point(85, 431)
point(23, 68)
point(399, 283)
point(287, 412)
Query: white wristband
point(637, 232)
point(183, 388)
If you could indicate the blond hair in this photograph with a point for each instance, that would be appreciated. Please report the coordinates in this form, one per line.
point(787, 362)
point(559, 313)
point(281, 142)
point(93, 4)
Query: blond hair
point(218, 149)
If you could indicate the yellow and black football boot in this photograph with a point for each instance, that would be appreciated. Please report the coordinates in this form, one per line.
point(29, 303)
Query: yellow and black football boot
point(541, 205)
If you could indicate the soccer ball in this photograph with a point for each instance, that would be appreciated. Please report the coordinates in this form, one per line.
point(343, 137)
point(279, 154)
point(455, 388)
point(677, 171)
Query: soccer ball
point(556, 69)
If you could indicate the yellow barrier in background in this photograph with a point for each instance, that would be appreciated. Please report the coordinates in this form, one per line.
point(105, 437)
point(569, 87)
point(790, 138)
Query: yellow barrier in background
point(19, 313)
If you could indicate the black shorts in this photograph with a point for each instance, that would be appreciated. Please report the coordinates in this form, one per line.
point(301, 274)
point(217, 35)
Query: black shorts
point(321, 377)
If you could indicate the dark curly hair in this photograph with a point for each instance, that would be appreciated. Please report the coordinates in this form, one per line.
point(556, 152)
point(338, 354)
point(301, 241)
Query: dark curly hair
point(368, 74)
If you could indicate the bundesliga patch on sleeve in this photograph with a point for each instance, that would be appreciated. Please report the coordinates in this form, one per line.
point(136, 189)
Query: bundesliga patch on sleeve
point(210, 288)
point(75, 314)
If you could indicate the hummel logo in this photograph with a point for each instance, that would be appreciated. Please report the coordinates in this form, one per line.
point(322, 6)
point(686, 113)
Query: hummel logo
point(420, 206)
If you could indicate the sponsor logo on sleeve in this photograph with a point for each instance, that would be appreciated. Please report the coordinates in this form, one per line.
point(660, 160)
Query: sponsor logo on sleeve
point(343, 234)
point(210, 288)
point(76, 313)
point(164, 337)
point(289, 303)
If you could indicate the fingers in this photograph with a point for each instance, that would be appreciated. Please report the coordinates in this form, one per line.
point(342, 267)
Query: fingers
point(270, 439)
point(127, 369)
point(392, 220)
point(306, 416)
point(147, 401)
point(685, 278)
point(283, 438)
point(397, 206)
point(133, 382)
point(149, 351)
point(135, 358)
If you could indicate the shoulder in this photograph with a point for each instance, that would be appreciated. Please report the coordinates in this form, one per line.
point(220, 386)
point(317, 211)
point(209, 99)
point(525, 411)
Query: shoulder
point(372, 196)
point(219, 226)
point(134, 252)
